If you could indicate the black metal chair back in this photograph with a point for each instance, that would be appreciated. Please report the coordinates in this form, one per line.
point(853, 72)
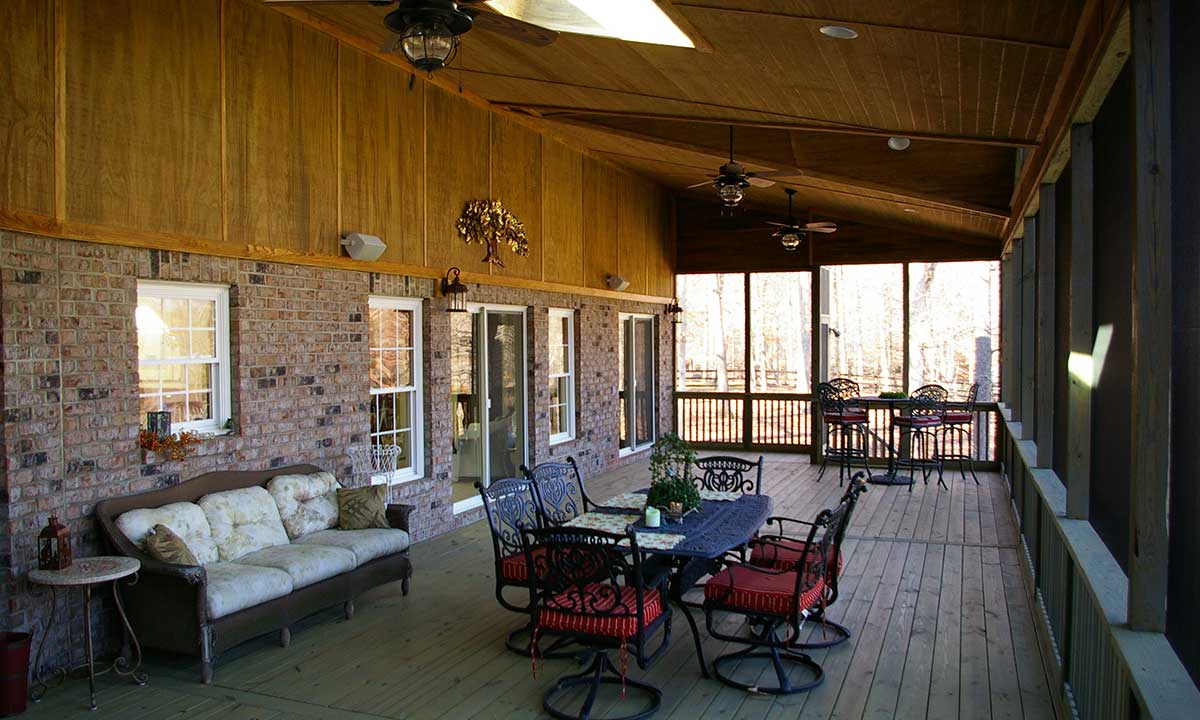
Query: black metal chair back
point(510, 506)
point(835, 534)
point(560, 492)
point(972, 397)
point(846, 388)
point(722, 473)
point(928, 401)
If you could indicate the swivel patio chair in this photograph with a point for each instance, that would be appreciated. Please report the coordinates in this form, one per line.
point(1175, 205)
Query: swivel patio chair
point(774, 600)
point(588, 588)
point(958, 431)
point(723, 473)
point(919, 425)
point(845, 421)
point(561, 496)
point(782, 551)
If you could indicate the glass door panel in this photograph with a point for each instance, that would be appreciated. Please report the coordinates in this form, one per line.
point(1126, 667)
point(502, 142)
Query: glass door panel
point(622, 381)
point(505, 352)
point(643, 381)
point(466, 426)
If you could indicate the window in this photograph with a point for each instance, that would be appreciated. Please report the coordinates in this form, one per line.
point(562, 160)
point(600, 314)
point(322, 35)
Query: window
point(396, 398)
point(636, 383)
point(711, 339)
point(562, 375)
point(183, 353)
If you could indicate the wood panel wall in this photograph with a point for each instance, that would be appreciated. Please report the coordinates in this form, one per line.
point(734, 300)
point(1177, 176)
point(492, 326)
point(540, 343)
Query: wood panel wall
point(228, 128)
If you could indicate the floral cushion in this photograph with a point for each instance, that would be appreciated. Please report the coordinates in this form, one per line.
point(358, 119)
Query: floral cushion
point(742, 588)
point(305, 564)
point(366, 545)
point(234, 586)
point(307, 503)
point(604, 617)
point(187, 520)
point(242, 521)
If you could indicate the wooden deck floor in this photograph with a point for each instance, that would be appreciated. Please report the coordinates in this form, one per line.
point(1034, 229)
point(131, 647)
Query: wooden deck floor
point(932, 590)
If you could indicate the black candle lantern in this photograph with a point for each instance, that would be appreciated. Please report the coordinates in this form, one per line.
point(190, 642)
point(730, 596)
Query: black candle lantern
point(455, 291)
point(54, 546)
point(159, 423)
point(673, 312)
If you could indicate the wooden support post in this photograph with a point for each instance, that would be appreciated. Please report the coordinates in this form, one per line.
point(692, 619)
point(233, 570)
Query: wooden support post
point(817, 346)
point(1151, 316)
point(1028, 328)
point(1009, 348)
point(748, 345)
point(1080, 374)
point(1045, 325)
point(906, 328)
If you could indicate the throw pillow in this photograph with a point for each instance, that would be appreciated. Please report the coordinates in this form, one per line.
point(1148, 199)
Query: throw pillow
point(363, 507)
point(163, 544)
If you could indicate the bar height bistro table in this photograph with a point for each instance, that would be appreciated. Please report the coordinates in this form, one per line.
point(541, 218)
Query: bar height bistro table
point(689, 548)
point(86, 573)
point(894, 405)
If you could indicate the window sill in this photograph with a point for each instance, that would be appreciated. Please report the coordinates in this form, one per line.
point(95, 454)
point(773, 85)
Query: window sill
point(395, 478)
point(626, 452)
point(561, 439)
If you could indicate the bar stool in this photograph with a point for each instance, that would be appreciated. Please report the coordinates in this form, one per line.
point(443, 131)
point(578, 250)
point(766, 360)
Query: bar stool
point(846, 420)
point(958, 426)
point(920, 426)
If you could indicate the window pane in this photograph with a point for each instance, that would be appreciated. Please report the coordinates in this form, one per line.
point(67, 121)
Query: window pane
point(711, 337)
point(556, 331)
point(199, 406)
point(149, 404)
point(176, 343)
point(148, 376)
point(175, 312)
point(403, 440)
point(385, 416)
point(558, 419)
point(954, 326)
point(204, 344)
point(780, 335)
point(176, 404)
point(404, 330)
point(376, 369)
point(865, 327)
point(558, 390)
point(199, 377)
point(204, 313)
point(403, 410)
point(387, 336)
point(173, 378)
point(149, 327)
point(404, 376)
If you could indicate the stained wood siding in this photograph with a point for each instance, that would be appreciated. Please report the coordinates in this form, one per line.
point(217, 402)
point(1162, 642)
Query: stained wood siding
point(254, 135)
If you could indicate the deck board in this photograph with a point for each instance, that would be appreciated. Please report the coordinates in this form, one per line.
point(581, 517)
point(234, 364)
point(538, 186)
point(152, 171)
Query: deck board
point(931, 588)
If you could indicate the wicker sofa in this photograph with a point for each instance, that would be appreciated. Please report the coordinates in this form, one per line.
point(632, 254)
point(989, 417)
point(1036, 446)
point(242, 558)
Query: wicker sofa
point(269, 556)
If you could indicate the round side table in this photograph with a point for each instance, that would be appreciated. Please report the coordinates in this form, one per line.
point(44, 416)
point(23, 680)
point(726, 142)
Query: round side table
point(88, 573)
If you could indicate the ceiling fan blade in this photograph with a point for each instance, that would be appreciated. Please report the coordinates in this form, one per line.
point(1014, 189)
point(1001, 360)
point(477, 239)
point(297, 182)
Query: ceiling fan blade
point(525, 32)
point(819, 230)
point(759, 181)
point(821, 225)
point(779, 224)
point(327, 2)
point(780, 174)
point(699, 184)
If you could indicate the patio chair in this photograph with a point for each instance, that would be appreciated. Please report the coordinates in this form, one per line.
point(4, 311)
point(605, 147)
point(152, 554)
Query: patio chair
point(774, 600)
point(723, 473)
point(782, 550)
point(921, 423)
point(958, 428)
point(846, 420)
point(561, 496)
point(588, 588)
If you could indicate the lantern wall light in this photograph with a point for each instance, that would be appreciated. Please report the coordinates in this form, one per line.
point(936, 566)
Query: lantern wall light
point(454, 291)
point(674, 312)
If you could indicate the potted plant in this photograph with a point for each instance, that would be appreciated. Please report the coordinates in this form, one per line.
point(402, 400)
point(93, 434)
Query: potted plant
point(670, 476)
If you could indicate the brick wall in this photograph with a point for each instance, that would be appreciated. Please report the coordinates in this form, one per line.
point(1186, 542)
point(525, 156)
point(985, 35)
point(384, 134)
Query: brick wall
point(300, 387)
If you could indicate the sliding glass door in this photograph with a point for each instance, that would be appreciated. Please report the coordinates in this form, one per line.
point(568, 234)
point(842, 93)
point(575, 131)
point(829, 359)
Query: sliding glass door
point(636, 383)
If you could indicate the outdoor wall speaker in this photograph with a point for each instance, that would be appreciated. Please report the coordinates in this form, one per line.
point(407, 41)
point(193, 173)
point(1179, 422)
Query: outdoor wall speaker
point(361, 246)
point(616, 282)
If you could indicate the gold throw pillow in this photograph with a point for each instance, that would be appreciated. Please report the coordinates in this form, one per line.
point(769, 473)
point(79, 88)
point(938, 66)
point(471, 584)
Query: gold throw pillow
point(362, 507)
point(163, 544)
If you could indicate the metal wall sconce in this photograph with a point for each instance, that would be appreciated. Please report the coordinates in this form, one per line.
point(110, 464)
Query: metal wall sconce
point(454, 291)
point(673, 312)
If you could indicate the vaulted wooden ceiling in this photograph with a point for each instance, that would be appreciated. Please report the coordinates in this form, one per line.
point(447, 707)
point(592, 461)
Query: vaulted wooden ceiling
point(971, 83)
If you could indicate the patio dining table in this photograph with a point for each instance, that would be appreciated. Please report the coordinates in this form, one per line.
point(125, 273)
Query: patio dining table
point(724, 521)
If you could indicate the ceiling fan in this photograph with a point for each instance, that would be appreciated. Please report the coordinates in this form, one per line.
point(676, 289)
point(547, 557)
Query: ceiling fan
point(732, 179)
point(428, 31)
point(789, 233)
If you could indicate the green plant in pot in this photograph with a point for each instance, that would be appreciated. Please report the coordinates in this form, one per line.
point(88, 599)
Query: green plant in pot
point(670, 474)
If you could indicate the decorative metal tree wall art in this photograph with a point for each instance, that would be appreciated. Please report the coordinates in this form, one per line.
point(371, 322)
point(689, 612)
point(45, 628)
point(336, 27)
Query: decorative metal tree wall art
point(487, 222)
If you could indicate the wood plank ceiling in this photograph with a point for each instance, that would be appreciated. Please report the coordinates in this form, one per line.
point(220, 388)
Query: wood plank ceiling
point(970, 83)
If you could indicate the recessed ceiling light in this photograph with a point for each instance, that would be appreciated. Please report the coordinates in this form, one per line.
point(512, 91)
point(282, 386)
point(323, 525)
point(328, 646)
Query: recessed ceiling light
point(838, 31)
point(899, 143)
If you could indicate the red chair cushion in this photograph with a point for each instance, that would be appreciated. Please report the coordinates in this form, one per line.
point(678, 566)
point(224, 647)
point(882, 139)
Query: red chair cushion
point(784, 554)
point(957, 417)
point(513, 567)
point(917, 421)
point(622, 625)
point(849, 416)
point(743, 588)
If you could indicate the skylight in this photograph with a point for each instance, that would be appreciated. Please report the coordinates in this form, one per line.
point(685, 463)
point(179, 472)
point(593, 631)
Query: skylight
point(633, 20)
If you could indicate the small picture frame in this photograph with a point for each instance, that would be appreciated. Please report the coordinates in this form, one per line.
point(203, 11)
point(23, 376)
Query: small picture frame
point(159, 423)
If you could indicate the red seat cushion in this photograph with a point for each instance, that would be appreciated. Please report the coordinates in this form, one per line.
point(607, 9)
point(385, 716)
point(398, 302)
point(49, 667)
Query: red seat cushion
point(596, 619)
point(849, 416)
point(956, 417)
point(917, 421)
point(743, 588)
point(513, 566)
point(783, 554)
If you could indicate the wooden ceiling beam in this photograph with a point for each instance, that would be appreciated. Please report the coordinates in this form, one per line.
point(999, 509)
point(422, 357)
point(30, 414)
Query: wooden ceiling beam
point(805, 124)
point(879, 26)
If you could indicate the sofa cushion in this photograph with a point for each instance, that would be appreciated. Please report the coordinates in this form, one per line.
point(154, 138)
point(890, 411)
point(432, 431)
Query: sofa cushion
point(306, 564)
point(242, 521)
point(307, 503)
point(185, 519)
point(365, 544)
point(234, 586)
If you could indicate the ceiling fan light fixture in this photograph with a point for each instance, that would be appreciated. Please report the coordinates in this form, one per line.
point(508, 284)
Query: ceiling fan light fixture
point(731, 194)
point(429, 45)
point(839, 32)
point(790, 241)
point(899, 143)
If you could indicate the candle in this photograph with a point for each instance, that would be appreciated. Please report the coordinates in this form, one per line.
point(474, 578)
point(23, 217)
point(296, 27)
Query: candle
point(653, 517)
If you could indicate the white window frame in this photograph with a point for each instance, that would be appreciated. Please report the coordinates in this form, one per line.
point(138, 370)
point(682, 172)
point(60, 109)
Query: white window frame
point(416, 434)
point(222, 409)
point(557, 314)
point(635, 449)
